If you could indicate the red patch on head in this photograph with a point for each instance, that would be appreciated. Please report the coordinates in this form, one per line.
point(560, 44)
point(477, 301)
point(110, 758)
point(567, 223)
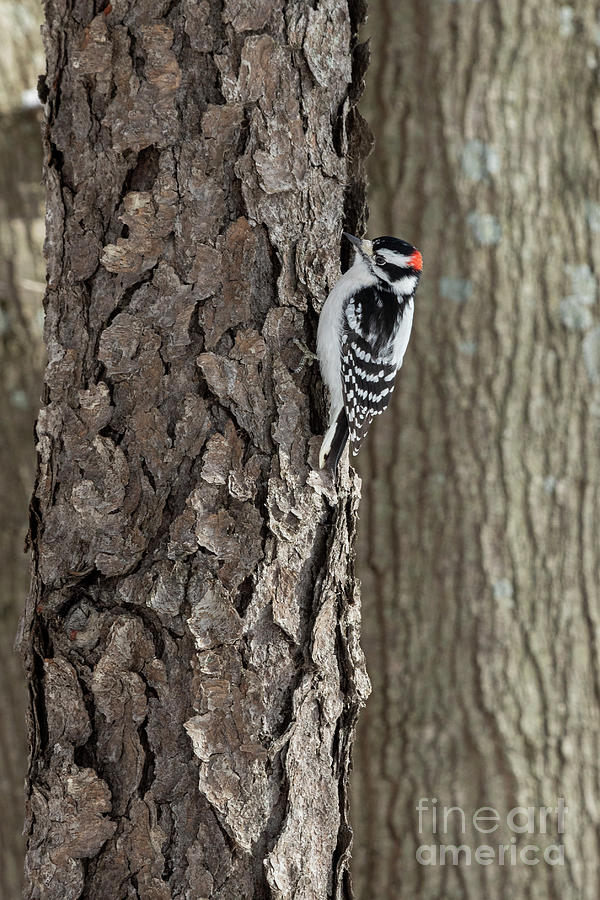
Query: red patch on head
point(416, 261)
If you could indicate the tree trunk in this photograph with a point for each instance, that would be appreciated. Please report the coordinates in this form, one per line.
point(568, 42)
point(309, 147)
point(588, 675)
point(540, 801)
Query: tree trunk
point(478, 542)
point(192, 631)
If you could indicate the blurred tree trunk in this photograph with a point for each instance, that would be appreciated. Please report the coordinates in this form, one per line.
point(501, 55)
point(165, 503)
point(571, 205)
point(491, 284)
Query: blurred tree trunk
point(21, 289)
point(191, 635)
point(21, 286)
point(479, 529)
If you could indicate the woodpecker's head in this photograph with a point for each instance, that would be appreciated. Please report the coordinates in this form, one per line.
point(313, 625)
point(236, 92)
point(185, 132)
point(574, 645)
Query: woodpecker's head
point(391, 260)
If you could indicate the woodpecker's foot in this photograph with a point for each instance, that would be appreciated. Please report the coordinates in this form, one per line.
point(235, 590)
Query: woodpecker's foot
point(306, 355)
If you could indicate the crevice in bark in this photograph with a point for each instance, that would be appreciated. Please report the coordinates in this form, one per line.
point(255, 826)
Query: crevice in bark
point(147, 777)
point(143, 175)
point(36, 694)
point(244, 594)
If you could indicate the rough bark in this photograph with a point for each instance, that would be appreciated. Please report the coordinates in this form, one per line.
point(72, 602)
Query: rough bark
point(478, 542)
point(192, 631)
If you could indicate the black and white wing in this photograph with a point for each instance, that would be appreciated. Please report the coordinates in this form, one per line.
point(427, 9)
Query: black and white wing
point(373, 342)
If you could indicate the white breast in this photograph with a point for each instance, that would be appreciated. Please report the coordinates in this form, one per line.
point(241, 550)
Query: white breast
point(330, 329)
point(403, 334)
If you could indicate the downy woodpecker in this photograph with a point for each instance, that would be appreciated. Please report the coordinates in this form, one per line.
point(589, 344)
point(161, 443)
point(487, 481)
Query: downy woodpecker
point(363, 333)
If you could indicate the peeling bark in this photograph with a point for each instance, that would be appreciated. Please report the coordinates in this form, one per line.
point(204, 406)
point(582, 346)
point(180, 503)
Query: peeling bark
point(479, 526)
point(192, 632)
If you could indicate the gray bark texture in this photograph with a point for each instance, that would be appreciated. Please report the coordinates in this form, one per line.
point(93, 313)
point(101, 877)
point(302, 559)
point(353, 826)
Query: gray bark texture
point(191, 636)
point(478, 545)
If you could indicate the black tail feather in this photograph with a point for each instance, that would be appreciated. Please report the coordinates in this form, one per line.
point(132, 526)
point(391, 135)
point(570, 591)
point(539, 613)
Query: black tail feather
point(338, 443)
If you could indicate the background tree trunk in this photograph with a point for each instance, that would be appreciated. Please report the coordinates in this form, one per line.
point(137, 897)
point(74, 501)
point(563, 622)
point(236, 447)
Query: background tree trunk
point(21, 289)
point(192, 631)
point(479, 525)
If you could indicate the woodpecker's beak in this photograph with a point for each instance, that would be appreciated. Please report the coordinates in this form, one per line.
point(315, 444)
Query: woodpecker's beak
point(364, 247)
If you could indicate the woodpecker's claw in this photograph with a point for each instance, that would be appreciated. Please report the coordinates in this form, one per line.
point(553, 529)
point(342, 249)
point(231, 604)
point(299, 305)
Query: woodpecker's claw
point(306, 354)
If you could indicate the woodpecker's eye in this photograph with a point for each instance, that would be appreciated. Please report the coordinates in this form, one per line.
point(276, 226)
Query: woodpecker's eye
point(379, 259)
